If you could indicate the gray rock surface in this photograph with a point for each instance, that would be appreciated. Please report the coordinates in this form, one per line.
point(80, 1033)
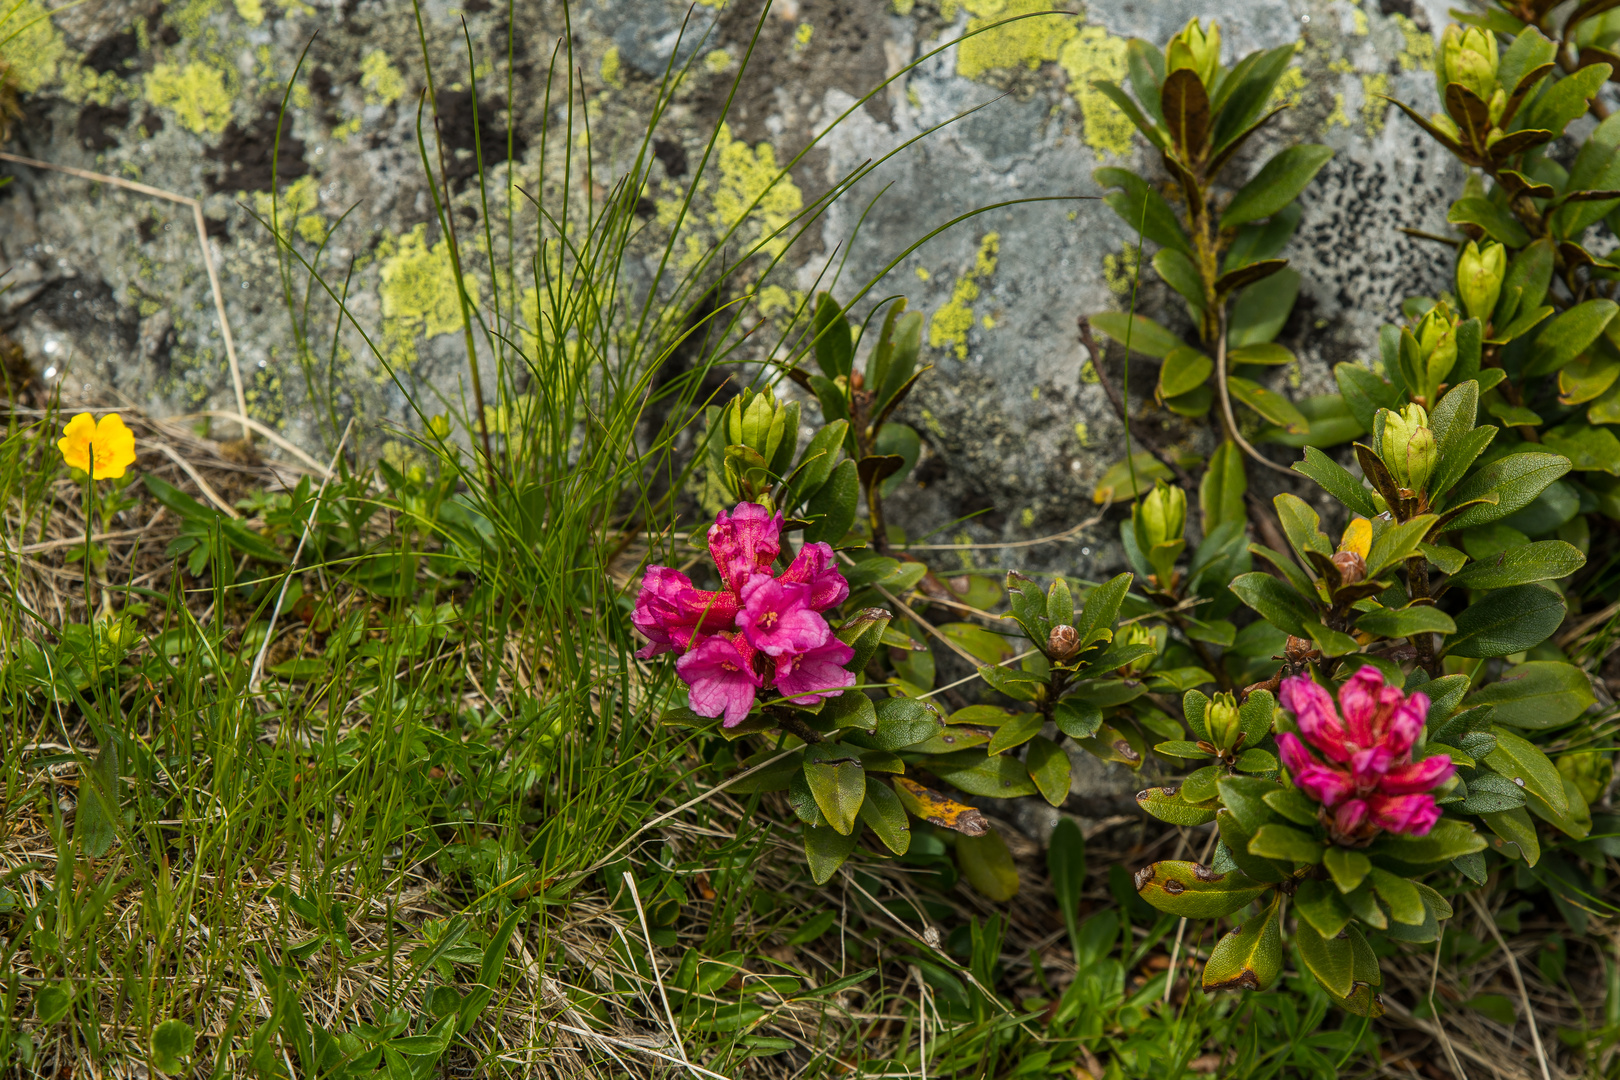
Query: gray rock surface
point(108, 290)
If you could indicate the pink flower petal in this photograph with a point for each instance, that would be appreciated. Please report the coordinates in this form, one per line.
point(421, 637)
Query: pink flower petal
point(1413, 815)
point(815, 566)
point(721, 676)
point(744, 542)
point(1349, 817)
point(1406, 724)
point(1359, 700)
point(1419, 777)
point(1313, 710)
point(776, 617)
point(818, 673)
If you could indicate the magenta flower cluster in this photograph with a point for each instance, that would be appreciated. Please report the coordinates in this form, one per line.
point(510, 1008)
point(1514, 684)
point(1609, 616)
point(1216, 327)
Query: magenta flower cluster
point(1368, 781)
point(758, 632)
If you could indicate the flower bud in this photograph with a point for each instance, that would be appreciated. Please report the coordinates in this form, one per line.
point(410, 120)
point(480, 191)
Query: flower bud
point(1063, 643)
point(1352, 567)
point(1479, 278)
point(1163, 515)
point(756, 441)
point(1193, 48)
point(1223, 722)
point(1468, 57)
point(1408, 448)
point(1428, 356)
point(1137, 634)
point(1297, 649)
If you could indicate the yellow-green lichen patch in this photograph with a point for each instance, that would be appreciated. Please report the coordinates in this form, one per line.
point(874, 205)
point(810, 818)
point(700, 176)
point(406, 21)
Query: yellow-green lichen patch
point(195, 93)
point(252, 11)
point(1027, 43)
point(36, 47)
point(611, 75)
point(1290, 87)
point(1418, 55)
point(717, 61)
point(753, 186)
point(1120, 271)
point(418, 289)
point(380, 79)
point(1093, 53)
point(1338, 117)
point(951, 323)
point(1373, 105)
point(297, 209)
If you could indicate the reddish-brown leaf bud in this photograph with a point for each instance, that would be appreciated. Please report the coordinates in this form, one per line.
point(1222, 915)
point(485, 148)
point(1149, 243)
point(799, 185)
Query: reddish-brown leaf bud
point(1352, 567)
point(1063, 643)
point(1298, 649)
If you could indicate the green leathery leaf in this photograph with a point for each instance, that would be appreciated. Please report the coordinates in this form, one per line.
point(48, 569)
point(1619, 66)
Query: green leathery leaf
point(863, 632)
point(1280, 604)
point(1319, 904)
point(1506, 621)
point(1255, 715)
point(1101, 608)
point(837, 782)
point(1261, 310)
point(1516, 830)
point(1403, 622)
point(825, 850)
point(835, 350)
point(1328, 957)
point(1194, 891)
point(1235, 838)
point(172, 1043)
point(1168, 804)
point(1446, 841)
point(1077, 718)
point(882, 812)
point(1269, 404)
point(817, 462)
point(1293, 805)
point(1059, 604)
point(1336, 480)
point(1181, 274)
point(1364, 392)
point(1589, 449)
point(1538, 694)
point(1455, 462)
point(1157, 220)
point(1245, 796)
point(1365, 907)
point(988, 865)
point(1249, 957)
point(1184, 370)
point(1000, 777)
point(1145, 336)
point(1569, 335)
point(1498, 223)
point(1049, 767)
point(1220, 492)
point(1400, 896)
point(897, 441)
point(1347, 866)
point(1397, 543)
point(1193, 706)
point(1278, 183)
point(1302, 525)
point(1015, 732)
point(1524, 763)
point(831, 510)
point(903, 722)
point(1516, 479)
point(1276, 841)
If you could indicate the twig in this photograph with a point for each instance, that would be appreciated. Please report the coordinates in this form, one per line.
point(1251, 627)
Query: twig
point(1226, 405)
point(1120, 405)
point(1445, 1040)
point(652, 961)
point(309, 523)
point(1181, 929)
point(1518, 980)
point(202, 485)
point(1067, 534)
point(202, 241)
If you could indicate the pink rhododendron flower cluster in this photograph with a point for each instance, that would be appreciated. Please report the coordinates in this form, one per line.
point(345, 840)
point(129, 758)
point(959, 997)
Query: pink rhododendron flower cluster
point(758, 632)
point(1368, 781)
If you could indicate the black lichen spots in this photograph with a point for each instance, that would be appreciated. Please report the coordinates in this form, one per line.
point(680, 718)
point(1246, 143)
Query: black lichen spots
point(114, 55)
point(88, 312)
point(100, 126)
point(477, 7)
point(216, 227)
point(146, 229)
point(464, 135)
point(323, 92)
point(152, 122)
point(244, 153)
point(673, 156)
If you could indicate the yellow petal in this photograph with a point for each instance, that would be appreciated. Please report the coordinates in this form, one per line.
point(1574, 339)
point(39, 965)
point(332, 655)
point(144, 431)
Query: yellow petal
point(1357, 537)
point(75, 441)
point(114, 446)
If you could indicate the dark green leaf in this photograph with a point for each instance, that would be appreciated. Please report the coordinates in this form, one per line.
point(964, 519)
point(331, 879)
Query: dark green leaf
point(825, 850)
point(1262, 308)
point(1498, 223)
point(1274, 841)
point(1168, 804)
point(831, 510)
point(1336, 480)
point(1277, 184)
point(1281, 605)
point(1050, 768)
point(1329, 958)
point(835, 352)
point(1141, 333)
point(1184, 370)
point(1403, 622)
point(1507, 621)
point(1249, 957)
point(1194, 891)
point(1158, 223)
point(1515, 479)
point(1537, 695)
point(882, 813)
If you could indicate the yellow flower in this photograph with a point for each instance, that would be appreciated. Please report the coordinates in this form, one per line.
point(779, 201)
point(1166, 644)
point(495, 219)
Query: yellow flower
point(103, 449)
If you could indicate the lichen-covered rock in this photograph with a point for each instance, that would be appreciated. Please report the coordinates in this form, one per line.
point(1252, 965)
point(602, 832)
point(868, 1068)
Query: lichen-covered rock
point(107, 287)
